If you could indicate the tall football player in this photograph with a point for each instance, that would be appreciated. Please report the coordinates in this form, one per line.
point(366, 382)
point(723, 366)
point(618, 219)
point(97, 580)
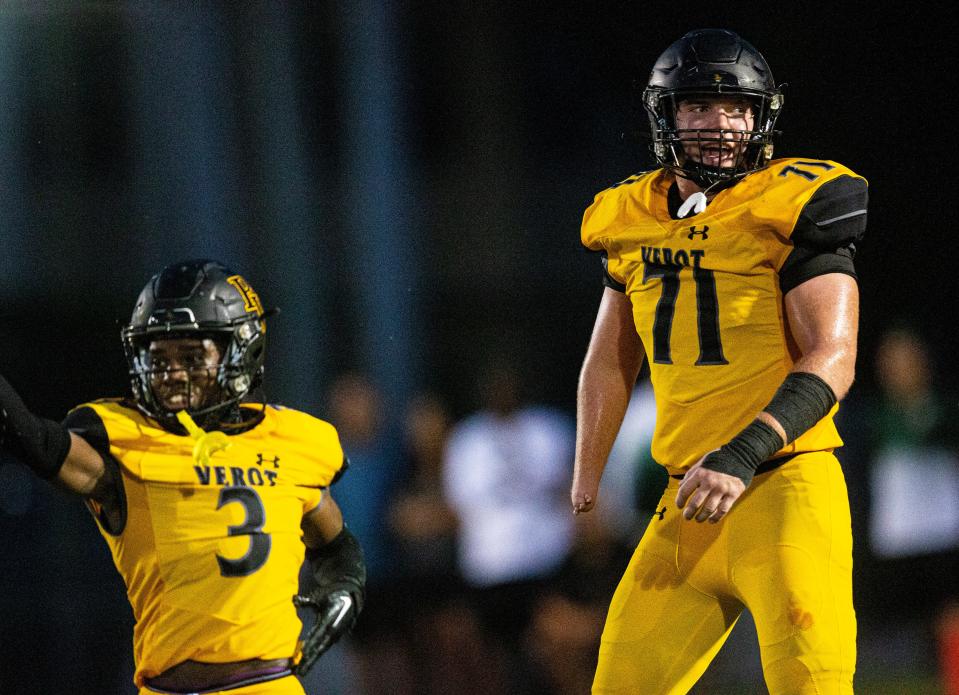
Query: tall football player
point(732, 272)
point(208, 503)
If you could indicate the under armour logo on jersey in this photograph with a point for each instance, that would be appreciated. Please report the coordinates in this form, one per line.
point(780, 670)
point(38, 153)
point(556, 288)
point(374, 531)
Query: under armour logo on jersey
point(693, 232)
point(661, 513)
point(275, 460)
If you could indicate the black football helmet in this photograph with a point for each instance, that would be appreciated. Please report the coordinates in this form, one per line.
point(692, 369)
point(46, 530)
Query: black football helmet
point(711, 62)
point(198, 299)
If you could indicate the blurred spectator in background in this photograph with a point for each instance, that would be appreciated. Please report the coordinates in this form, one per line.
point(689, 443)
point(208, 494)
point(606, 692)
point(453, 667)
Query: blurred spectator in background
point(633, 482)
point(436, 625)
point(357, 409)
point(506, 470)
point(902, 454)
point(423, 524)
point(568, 617)
point(913, 447)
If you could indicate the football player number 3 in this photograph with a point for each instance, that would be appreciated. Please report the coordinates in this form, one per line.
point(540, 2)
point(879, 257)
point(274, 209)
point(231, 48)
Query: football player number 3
point(707, 314)
point(259, 550)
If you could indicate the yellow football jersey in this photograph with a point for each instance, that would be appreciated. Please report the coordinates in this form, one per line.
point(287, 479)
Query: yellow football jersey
point(707, 301)
point(210, 554)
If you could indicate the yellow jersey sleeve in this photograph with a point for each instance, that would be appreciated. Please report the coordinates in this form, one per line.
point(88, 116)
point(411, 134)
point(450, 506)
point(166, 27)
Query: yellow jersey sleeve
point(601, 222)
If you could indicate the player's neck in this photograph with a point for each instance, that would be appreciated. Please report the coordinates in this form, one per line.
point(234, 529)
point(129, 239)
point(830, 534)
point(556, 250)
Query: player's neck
point(687, 188)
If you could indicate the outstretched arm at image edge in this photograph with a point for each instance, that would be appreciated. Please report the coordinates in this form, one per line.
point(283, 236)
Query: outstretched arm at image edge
point(50, 449)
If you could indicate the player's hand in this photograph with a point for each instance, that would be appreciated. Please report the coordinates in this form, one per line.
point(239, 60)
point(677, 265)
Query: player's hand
point(336, 613)
point(583, 495)
point(707, 495)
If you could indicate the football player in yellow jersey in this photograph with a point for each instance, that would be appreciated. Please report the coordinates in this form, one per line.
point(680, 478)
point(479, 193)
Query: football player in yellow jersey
point(733, 274)
point(209, 503)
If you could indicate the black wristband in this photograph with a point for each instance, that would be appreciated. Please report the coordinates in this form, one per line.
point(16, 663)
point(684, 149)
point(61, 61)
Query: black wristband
point(803, 400)
point(743, 454)
point(40, 443)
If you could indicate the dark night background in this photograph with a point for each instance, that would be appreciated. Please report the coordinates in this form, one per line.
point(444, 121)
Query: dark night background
point(405, 181)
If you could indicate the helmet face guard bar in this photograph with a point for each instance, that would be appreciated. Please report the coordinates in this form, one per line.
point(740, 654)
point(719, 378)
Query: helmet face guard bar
point(230, 383)
point(671, 145)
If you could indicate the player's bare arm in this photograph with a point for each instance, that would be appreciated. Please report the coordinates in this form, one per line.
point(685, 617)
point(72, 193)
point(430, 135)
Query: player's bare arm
point(84, 471)
point(54, 453)
point(323, 523)
point(823, 318)
point(609, 372)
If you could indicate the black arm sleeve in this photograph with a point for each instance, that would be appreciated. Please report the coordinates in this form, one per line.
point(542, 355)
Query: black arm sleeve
point(339, 565)
point(826, 232)
point(41, 444)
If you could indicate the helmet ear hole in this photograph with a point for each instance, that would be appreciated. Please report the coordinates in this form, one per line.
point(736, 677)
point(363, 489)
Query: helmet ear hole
point(241, 384)
point(253, 358)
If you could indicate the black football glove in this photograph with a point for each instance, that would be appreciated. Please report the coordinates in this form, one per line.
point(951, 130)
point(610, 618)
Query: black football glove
point(337, 598)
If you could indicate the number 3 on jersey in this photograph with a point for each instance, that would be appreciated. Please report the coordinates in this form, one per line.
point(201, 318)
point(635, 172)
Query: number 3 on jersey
point(707, 314)
point(259, 550)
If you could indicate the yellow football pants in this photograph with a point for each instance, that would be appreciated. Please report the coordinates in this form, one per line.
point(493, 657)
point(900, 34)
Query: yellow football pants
point(784, 552)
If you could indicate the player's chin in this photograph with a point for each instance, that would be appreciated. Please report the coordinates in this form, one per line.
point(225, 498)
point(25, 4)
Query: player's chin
point(718, 161)
point(174, 401)
point(714, 158)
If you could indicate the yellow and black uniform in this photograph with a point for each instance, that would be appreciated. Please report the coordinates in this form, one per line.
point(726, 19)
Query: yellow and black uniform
point(210, 554)
point(707, 299)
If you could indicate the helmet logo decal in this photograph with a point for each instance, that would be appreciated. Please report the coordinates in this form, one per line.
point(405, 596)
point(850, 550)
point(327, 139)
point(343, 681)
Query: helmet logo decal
point(251, 301)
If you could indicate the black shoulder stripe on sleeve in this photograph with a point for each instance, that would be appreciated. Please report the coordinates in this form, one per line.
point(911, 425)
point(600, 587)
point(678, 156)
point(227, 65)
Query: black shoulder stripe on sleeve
point(835, 216)
point(85, 423)
point(805, 264)
point(343, 468)
point(609, 280)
